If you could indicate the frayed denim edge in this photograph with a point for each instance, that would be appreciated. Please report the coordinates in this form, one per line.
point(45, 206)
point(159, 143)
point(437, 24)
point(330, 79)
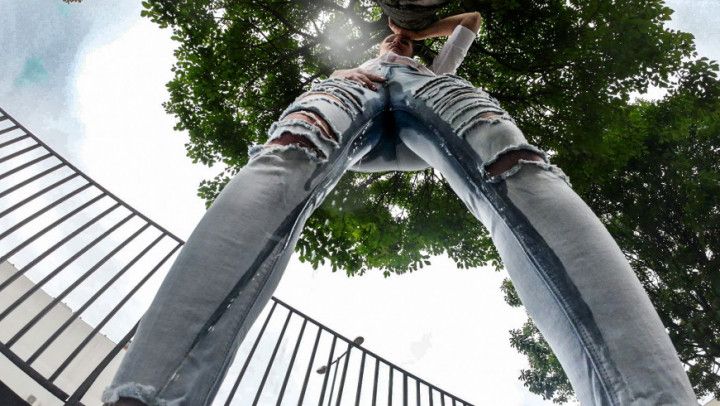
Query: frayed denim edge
point(144, 393)
point(523, 146)
point(263, 149)
point(545, 164)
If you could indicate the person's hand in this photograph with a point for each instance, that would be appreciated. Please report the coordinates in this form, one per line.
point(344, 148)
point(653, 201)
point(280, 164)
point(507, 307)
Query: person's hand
point(412, 35)
point(359, 75)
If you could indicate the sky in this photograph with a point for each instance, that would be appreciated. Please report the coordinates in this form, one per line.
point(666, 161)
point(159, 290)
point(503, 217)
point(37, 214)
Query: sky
point(89, 80)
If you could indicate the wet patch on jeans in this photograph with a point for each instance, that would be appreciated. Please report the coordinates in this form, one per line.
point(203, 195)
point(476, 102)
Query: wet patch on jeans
point(144, 393)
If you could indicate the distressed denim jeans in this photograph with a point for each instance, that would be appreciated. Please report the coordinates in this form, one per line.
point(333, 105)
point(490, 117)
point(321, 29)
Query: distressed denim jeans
point(570, 274)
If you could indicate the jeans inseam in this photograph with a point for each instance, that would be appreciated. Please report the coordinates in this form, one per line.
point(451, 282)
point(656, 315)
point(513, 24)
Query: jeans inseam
point(358, 133)
point(600, 369)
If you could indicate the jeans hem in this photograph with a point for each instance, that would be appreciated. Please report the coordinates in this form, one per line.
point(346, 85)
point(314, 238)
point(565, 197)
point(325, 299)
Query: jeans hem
point(144, 393)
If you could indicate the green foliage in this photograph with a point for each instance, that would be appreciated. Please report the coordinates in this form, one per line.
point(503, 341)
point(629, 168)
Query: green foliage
point(545, 376)
point(663, 209)
point(564, 69)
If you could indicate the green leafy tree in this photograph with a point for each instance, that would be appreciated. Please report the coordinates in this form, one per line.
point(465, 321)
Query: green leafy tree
point(564, 69)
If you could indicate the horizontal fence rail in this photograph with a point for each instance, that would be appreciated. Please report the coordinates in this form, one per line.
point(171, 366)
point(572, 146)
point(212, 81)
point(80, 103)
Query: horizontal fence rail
point(80, 266)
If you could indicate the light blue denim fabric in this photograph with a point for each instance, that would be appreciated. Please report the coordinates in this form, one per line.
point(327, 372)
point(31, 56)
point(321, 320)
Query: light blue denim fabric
point(569, 272)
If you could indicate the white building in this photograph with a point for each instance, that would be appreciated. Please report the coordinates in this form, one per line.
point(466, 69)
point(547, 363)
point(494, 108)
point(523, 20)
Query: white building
point(18, 381)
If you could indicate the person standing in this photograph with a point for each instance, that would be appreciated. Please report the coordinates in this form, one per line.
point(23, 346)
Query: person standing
point(567, 269)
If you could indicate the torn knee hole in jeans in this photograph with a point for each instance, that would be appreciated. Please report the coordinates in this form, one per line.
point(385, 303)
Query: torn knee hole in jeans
point(490, 115)
point(320, 95)
point(304, 130)
point(493, 117)
point(336, 95)
point(288, 138)
point(510, 160)
point(314, 119)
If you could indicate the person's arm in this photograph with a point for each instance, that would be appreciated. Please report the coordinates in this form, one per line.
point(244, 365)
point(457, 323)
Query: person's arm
point(443, 27)
point(453, 51)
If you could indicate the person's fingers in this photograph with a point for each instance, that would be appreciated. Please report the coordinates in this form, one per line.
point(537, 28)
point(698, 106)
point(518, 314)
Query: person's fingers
point(365, 78)
point(358, 77)
point(372, 76)
point(366, 81)
point(375, 78)
point(369, 83)
point(392, 25)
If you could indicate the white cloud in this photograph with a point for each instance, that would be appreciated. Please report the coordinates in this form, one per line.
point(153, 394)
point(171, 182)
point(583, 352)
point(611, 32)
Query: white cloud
point(129, 143)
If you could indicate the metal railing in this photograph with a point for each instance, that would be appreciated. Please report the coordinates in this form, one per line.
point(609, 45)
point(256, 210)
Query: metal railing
point(86, 249)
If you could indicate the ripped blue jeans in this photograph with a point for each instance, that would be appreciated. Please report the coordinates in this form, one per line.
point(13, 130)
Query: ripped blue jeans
point(568, 271)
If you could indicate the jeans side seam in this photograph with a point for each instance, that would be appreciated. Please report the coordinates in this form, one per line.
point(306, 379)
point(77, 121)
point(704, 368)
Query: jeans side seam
point(551, 286)
point(574, 320)
point(348, 144)
point(581, 334)
point(286, 238)
point(228, 359)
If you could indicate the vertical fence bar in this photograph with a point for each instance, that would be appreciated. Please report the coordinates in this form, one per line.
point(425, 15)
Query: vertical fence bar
point(57, 245)
point(59, 269)
point(405, 390)
point(18, 153)
point(57, 222)
point(7, 130)
point(44, 209)
point(26, 164)
point(360, 379)
point(417, 394)
point(332, 385)
point(375, 382)
point(85, 342)
point(87, 383)
point(390, 386)
point(309, 368)
point(28, 180)
point(70, 288)
point(272, 359)
point(344, 373)
point(292, 362)
point(250, 355)
point(14, 140)
point(325, 381)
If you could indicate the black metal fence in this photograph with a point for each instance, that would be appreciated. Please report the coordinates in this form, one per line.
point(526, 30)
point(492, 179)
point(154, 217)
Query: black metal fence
point(94, 263)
